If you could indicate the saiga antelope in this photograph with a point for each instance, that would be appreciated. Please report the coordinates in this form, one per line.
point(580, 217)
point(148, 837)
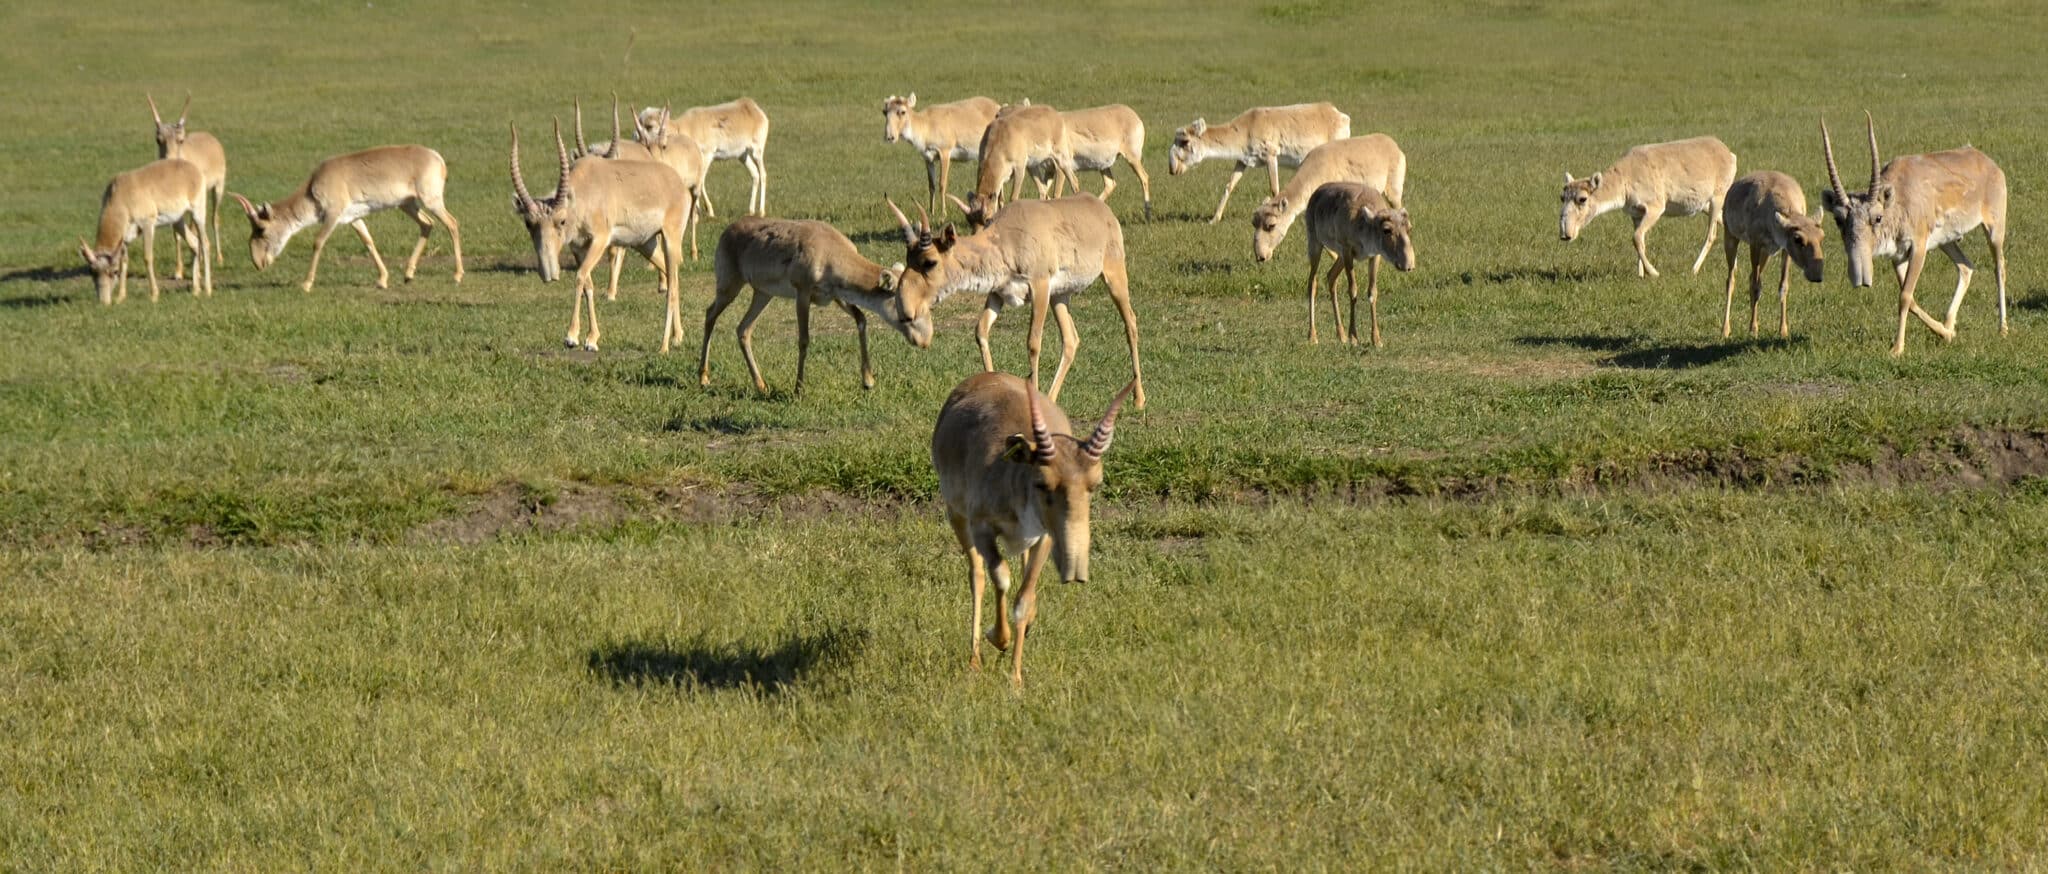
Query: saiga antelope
point(598, 205)
point(1354, 221)
point(1037, 253)
point(1016, 479)
point(1096, 138)
point(1374, 160)
point(1915, 203)
point(203, 150)
point(663, 146)
point(943, 134)
point(1269, 136)
point(1681, 178)
point(166, 192)
point(809, 262)
point(735, 131)
point(346, 188)
point(1767, 210)
point(1021, 137)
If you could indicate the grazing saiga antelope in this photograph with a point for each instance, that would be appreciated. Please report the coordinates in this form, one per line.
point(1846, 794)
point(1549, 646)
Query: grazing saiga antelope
point(1354, 221)
point(167, 192)
point(943, 134)
point(203, 150)
point(735, 131)
point(1036, 252)
point(1020, 137)
point(663, 146)
point(1016, 479)
point(809, 262)
point(346, 188)
point(1271, 136)
point(1916, 203)
point(602, 204)
point(1681, 178)
point(1767, 210)
point(1374, 160)
point(1096, 138)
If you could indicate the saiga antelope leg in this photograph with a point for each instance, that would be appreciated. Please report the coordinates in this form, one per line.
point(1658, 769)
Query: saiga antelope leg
point(1236, 173)
point(585, 285)
point(363, 230)
point(1315, 258)
point(218, 193)
point(1070, 340)
point(440, 213)
point(1784, 297)
point(1108, 182)
point(149, 255)
point(1914, 264)
point(746, 337)
point(412, 208)
point(589, 298)
point(1713, 226)
point(178, 258)
point(1113, 275)
point(1732, 248)
point(1041, 305)
point(1144, 181)
point(977, 582)
point(672, 249)
point(860, 326)
point(1025, 607)
point(931, 187)
point(998, 573)
point(575, 335)
point(1372, 297)
point(1351, 281)
point(939, 203)
point(1644, 222)
point(803, 336)
point(1995, 233)
point(989, 310)
point(319, 246)
point(720, 299)
point(611, 292)
point(1067, 170)
point(1757, 259)
point(123, 296)
point(1964, 269)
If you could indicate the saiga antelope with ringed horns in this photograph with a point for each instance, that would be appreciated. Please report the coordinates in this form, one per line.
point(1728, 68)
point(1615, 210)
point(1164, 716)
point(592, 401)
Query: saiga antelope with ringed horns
point(1037, 253)
point(203, 150)
point(809, 262)
point(1016, 479)
point(943, 134)
point(663, 146)
point(1269, 136)
point(1767, 210)
point(1680, 178)
point(735, 131)
point(600, 204)
point(1916, 203)
point(346, 188)
point(167, 192)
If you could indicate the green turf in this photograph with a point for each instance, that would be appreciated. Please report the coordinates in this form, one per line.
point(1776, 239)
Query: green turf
point(391, 579)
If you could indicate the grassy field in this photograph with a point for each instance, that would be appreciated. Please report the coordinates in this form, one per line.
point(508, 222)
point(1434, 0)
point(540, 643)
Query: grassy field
point(1559, 578)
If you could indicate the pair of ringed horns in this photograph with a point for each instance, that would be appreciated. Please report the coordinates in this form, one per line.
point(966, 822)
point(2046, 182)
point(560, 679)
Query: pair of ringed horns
point(159, 118)
point(912, 235)
point(1042, 449)
point(519, 180)
point(1828, 146)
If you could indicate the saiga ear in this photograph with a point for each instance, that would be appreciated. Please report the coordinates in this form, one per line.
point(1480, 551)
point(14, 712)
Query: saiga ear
point(1884, 194)
point(1593, 181)
point(1568, 177)
point(911, 101)
point(85, 249)
point(947, 237)
point(1017, 449)
point(888, 281)
point(1199, 127)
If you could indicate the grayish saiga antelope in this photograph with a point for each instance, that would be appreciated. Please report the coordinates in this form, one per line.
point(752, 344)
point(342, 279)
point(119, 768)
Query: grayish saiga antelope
point(942, 134)
point(810, 263)
point(1016, 479)
point(1681, 178)
point(1374, 160)
point(1268, 136)
point(1354, 221)
point(1916, 203)
point(166, 192)
point(1035, 252)
point(202, 150)
point(346, 188)
point(735, 131)
point(600, 204)
point(1767, 210)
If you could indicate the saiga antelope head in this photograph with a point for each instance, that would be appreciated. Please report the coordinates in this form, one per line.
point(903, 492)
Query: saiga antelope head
point(1575, 205)
point(170, 138)
point(1064, 474)
point(1859, 215)
point(896, 116)
point(547, 221)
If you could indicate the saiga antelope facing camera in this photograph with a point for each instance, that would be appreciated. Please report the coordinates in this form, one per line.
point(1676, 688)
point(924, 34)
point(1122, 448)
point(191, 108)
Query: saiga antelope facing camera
point(942, 134)
point(735, 131)
point(346, 188)
point(1268, 136)
point(601, 204)
point(1036, 252)
point(1767, 210)
point(1016, 480)
point(1681, 178)
point(1354, 221)
point(1021, 137)
point(202, 150)
point(1374, 160)
point(167, 192)
point(1918, 202)
point(811, 263)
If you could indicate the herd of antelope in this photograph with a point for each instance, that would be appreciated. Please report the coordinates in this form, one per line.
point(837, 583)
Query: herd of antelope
point(1014, 477)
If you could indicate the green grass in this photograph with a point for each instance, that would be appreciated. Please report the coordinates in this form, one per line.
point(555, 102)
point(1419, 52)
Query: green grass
point(373, 578)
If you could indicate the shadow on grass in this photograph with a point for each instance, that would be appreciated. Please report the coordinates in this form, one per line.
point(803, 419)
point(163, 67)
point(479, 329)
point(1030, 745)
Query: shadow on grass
point(37, 301)
point(2033, 300)
point(44, 274)
point(720, 666)
point(1631, 351)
